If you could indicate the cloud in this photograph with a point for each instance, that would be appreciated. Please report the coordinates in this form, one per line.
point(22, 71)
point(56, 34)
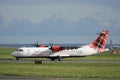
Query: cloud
point(63, 18)
point(54, 26)
point(70, 10)
point(17, 27)
point(1, 21)
point(55, 29)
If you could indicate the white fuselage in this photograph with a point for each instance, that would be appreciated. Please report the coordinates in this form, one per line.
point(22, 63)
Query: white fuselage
point(46, 52)
point(31, 52)
point(82, 51)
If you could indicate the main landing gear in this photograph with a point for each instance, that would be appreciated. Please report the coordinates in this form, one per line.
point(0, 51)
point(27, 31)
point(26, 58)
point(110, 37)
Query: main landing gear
point(59, 58)
point(17, 58)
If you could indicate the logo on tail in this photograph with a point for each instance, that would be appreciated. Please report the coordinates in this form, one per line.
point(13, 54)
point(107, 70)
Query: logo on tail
point(100, 42)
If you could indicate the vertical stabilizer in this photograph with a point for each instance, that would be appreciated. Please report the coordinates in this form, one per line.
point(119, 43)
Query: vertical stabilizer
point(100, 42)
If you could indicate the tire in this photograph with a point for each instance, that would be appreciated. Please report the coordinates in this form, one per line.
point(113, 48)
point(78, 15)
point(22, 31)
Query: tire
point(17, 58)
point(52, 59)
point(60, 58)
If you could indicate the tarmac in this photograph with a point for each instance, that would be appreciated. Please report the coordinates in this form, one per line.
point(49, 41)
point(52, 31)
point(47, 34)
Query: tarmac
point(33, 78)
point(64, 61)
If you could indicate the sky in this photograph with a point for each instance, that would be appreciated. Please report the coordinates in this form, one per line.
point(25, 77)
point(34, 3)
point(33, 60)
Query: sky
point(58, 21)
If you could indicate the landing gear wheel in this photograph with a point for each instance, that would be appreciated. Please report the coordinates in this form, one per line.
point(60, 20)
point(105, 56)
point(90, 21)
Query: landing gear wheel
point(52, 59)
point(17, 58)
point(60, 58)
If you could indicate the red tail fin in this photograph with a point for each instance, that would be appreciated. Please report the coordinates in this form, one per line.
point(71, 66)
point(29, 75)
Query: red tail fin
point(100, 42)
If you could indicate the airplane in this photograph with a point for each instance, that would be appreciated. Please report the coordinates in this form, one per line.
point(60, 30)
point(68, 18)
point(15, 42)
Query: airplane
point(58, 52)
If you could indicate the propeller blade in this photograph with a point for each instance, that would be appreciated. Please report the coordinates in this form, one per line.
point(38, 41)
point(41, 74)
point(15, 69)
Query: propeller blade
point(35, 44)
point(51, 46)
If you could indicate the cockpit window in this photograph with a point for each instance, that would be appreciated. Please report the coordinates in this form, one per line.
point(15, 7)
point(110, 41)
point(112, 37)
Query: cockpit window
point(19, 49)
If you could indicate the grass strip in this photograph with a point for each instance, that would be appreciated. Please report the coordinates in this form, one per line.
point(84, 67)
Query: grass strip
point(61, 69)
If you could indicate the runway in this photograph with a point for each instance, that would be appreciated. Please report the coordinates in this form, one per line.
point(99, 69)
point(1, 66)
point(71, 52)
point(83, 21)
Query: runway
point(39, 78)
point(33, 78)
point(64, 61)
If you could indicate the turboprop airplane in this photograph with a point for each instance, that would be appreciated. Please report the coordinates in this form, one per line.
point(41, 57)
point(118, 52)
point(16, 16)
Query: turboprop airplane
point(58, 52)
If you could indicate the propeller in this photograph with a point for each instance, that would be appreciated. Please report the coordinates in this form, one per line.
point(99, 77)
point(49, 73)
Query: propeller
point(36, 44)
point(51, 46)
point(55, 48)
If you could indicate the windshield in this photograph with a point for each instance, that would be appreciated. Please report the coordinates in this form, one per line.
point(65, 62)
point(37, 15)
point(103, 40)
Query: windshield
point(19, 49)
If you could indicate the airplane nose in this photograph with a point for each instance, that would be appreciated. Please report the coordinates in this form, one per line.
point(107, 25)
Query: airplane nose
point(14, 53)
